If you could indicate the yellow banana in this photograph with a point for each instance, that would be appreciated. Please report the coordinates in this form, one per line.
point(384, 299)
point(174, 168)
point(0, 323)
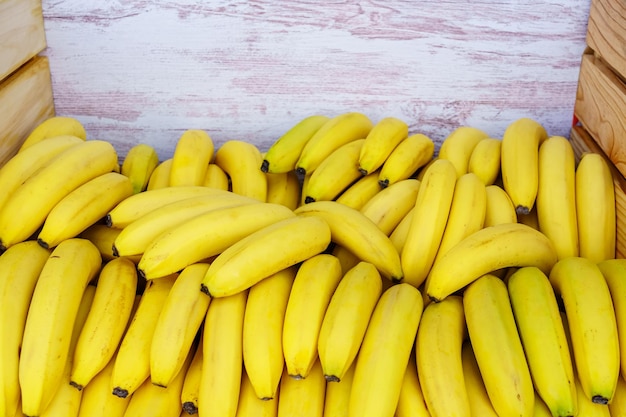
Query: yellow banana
point(541, 408)
point(458, 146)
point(216, 177)
point(284, 188)
point(385, 135)
point(83, 207)
point(160, 177)
point(399, 235)
point(138, 165)
point(480, 404)
point(351, 229)
point(314, 284)
point(388, 207)
point(589, 408)
point(346, 319)
point(103, 238)
point(485, 160)
point(250, 405)
point(500, 208)
point(491, 328)
point(519, 159)
point(52, 127)
point(430, 216)
point(347, 259)
point(337, 398)
point(579, 282)
point(192, 154)
point(263, 332)
point(191, 384)
point(283, 154)
point(424, 169)
point(617, 407)
point(406, 159)
point(241, 161)
point(385, 352)
point(543, 337)
point(337, 131)
point(411, 401)
point(360, 192)
point(48, 329)
point(614, 271)
point(488, 250)
point(303, 397)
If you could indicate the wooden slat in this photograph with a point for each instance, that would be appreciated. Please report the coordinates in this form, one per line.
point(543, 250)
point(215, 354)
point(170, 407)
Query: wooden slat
point(606, 32)
point(25, 101)
point(22, 33)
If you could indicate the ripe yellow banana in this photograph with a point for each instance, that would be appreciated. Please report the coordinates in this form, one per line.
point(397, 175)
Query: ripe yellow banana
point(351, 229)
point(337, 131)
point(346, 319)
point(191, 384)
point(302, 397)
point(399, 235)
point(388, 207)
point(263, 332)
point(592, 325)
point(500, 208)
point(485, 160)
point(411, 401)
point(337, 398)
point(250, 405)
point(595, 208)
point(48, 329)
point(543, 337)
point(138, 165)
point(284, 188)
point(406, 159)
point(385, 135)
point(241, 161)
point(216, 177)
point(283, 154)
point(458, 146)
point(488, 250)
point(438, 347)
point(480, 404)
point(589, 408)
point(160, 177)
point(29, 205)
point(103, 238)
point(52, 127)
point(430, 216)
point(335, 173)
point(614, 271)
point(617, 407)
point(519, 159)
point(314, 284)
point(193, 152)
point(491, 328)
point(84, 206)
point(360, 192)
point(384, 354)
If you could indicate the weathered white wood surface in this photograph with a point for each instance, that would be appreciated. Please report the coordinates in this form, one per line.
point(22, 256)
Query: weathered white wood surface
point(141, 71)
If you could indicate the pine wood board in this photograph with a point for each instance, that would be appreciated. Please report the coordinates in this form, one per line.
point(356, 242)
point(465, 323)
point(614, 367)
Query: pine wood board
point(606, 32)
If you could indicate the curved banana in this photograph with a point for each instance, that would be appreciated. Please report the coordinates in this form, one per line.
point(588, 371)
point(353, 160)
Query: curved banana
point(617, 407)
point(103, 238)
point(480, 404)
point(430, 216)
point(48, 329)
point(29, 205)
point(347, 259)
point(160, 177)
point(283, 154)
point(589, 408)
point(614, 271)
point(337, 131)
point(250, 405)
point(53, 127)
point(406, 159)
point(500, 208)
point(399, 235)
point(360, 192)
point(216, 177)
point(458, 146)
point(486, 251)
point(241, 161)
point(314, 284)
point(138, 165)
point(385, 135)
point(351, 229)
point(579, 282)
point(519, 159)
point(485, 160)
point(83, 207)
point(411, 401)
point(193, 152)
point(302, 397)
point(337, 397)
point(346, 319)
point(191, 384)
point(284, 188)
point(543, 337)
point(491, 328)
point(388, 207)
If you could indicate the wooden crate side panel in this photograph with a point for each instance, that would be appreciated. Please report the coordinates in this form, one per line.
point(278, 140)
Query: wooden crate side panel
point(25, 101)
point(606, 32)
point(22, 34)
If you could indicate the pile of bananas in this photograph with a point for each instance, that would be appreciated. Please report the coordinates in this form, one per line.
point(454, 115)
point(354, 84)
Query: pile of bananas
point(349, 270)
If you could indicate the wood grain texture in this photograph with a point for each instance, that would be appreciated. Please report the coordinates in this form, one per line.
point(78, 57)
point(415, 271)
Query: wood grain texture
point(606, 33)
point(143, 71)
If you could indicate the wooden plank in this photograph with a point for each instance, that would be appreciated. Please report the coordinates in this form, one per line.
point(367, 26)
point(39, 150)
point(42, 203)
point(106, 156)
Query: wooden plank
point(22, 34)
point(25, 101)
point(606, 32)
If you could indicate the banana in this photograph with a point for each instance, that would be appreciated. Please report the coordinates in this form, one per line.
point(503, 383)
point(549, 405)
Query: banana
point(284, 188)
point(491, 328)
point(588, 407)
point(458, 146)
point(132, 363)
point(485, 251)
point(262, 332)
point(303, 397)
point(541, 408)
point(216, 178)
point(351, 229)
point(315, 282)
point(430, 215)
point(595, 208)
point(438, 357)
point(160, 177)
point(543, 337)
point(53, 308)
point(180, 319)
point(53, 127)
point(264, 252)
point(500, 208)
point(388, 207)
point(337, 396)
point(580, 284)
point(614, 271)
point(411, 401)
point(241, 161)
point(138, 165)
point(250, 405)
point(360, 192)
point(380, 142)
point(406, 159)
point(83, 207)
point(335, 173)
point(192, 154)
point(220, 382)
point(29, 205)
point(424, 169)
point(283, 154)
point(480, 404)
point(346, 319)
point(399, 235)
point(519, 159)
point(617, 407)
point(103, 238)
point(206, 235)
point(485, 160)
point(191, 384)
point(337, 131)
point(347, 259)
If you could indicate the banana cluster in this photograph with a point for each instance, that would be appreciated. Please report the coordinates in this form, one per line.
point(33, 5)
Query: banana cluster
point(349, 270)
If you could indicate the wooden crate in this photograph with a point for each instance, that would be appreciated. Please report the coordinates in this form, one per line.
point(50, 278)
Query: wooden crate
point(606, 32)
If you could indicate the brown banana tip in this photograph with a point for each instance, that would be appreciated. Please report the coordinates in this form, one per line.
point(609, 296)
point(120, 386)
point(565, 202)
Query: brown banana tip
point(433, 299)
point(204, 289)
point(308, 200)
point(120, 392)
point(265, 165)
point(296, 376)
point(108, 221)
point(397, 280)
point(141, 273)
point(599, 399)
point(266, 398)
point(383, 183)
point(76, 385)
point(43, 244)
point(116, 253)
point(332, 378)
point(522, 210)
point(190, 408)
point(301, 171)
point(2, 247)
point(363, 171)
